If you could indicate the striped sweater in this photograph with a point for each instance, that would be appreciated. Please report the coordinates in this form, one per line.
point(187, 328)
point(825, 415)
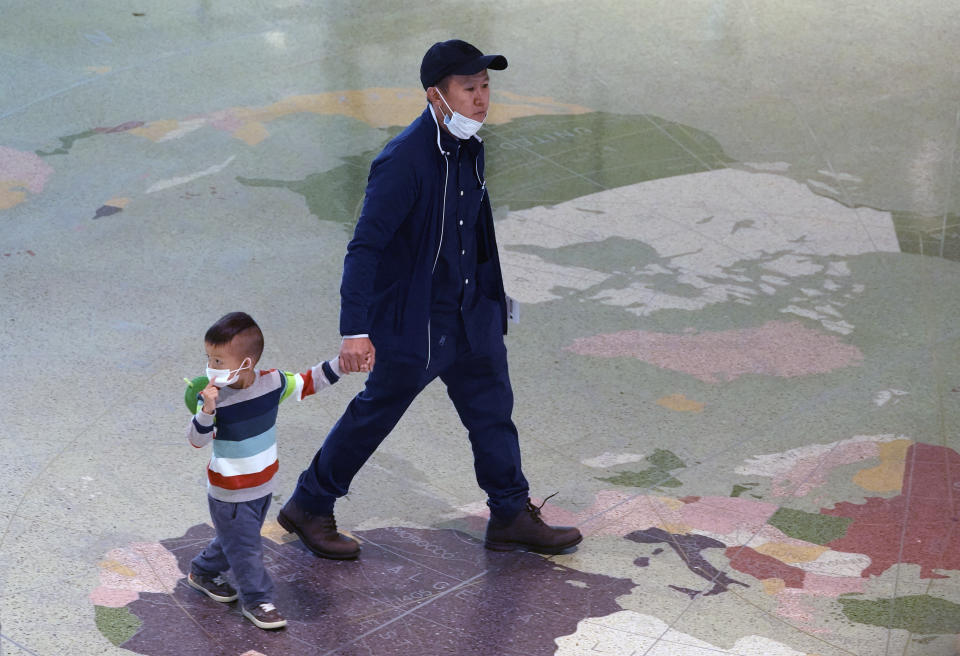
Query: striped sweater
point(243, 430)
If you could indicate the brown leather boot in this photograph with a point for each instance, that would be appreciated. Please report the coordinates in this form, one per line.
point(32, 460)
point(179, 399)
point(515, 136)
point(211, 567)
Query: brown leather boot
point(528, 531)
point(318, 532)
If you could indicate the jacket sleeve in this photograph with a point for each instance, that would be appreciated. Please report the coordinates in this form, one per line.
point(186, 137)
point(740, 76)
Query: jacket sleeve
point(315, 379)
point(390, 196)
point(201, 429)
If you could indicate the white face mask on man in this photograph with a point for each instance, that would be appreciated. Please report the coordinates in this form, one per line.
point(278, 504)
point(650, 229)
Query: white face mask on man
point(459, 125)
point(225, 377)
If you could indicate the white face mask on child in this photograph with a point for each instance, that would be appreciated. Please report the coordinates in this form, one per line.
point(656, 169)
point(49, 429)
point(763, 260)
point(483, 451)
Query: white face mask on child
point(224, 377)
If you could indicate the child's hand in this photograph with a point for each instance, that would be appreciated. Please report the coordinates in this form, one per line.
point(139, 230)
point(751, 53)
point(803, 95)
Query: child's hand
point(210, 394)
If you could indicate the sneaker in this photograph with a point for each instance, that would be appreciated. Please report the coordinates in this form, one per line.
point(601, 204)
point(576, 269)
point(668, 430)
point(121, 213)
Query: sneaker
point(265, 616)
point(528, 531)
point(216, 588)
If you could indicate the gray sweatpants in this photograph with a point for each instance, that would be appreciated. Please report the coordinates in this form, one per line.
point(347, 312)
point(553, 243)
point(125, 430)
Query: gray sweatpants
point(238, 548)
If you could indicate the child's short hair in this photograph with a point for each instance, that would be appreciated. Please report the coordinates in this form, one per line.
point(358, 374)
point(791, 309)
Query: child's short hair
point(237, 325)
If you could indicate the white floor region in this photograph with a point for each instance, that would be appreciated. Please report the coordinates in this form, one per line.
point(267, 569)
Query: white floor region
point(628, 633)
point(712, 237)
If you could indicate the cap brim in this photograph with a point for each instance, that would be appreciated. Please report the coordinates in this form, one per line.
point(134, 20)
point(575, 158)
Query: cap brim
point(495, 62)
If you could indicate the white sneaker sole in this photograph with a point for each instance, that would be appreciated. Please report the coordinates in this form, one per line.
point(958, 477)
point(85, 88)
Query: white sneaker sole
point(263, 625)
point(212, 595)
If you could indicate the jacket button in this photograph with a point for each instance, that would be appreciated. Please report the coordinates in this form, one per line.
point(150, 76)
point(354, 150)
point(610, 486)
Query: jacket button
point(461, 192)
point(466, 282)
point(461, 221)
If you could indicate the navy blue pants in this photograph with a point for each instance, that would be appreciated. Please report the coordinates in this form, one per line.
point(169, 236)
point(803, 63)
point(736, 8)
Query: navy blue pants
point(479, 386)
point(238, 548)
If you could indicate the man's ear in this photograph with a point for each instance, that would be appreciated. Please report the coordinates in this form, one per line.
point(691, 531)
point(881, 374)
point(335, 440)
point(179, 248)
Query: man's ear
point(436, 102)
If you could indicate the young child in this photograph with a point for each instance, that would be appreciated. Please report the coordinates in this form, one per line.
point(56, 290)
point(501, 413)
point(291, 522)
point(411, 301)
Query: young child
point(238, 415)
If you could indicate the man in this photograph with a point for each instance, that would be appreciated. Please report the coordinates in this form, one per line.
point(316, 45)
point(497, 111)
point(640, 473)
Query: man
point(422, 297)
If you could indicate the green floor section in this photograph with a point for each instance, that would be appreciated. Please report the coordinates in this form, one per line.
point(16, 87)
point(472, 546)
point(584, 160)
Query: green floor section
point(662, 462)
point(928, 235)
point(538, 160)
point(921, 614)
point(117, 624)
point(810, 527)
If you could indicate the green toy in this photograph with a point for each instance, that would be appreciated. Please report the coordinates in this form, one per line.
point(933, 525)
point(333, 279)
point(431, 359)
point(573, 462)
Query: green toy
point(192, 395)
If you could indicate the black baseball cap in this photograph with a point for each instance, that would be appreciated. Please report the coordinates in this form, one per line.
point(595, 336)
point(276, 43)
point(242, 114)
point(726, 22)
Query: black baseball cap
point(455, 57)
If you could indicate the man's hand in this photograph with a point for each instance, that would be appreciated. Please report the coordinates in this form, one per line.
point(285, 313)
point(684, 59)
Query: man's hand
point(210, 394)
point(357, 354)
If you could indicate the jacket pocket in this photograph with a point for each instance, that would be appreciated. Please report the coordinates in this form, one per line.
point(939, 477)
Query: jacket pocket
point(387, 308)
point(488, 280)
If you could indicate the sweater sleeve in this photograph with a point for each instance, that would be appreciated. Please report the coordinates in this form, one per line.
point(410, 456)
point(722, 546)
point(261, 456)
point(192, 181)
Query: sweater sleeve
point(390, 195)
point(315, 379)
point(201, 429)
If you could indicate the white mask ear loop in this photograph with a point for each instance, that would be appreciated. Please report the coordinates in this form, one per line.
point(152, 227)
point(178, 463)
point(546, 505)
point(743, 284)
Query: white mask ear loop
point(449, 108)
point(443, 99)
point(233, 374)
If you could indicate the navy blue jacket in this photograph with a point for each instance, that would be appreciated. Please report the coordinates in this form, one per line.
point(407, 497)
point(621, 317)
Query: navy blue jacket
point(389, 266)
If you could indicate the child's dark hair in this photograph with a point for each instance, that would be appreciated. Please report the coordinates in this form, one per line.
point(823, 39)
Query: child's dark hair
point(242, 326)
